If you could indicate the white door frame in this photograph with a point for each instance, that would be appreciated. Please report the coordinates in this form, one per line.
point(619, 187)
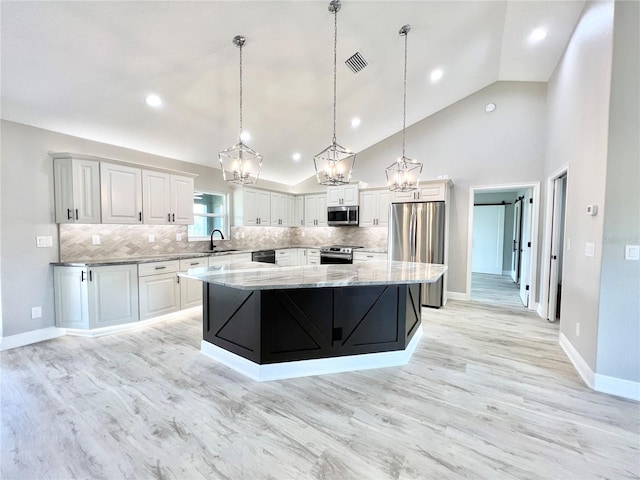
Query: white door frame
point(535, 215)
point(548, 222)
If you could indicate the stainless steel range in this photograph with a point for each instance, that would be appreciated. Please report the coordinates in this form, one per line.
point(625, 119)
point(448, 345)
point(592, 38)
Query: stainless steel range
point(337, 254)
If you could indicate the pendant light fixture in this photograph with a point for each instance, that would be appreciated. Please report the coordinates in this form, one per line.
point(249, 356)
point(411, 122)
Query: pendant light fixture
point(239, 163)
point(334, 164)
point(404, 174)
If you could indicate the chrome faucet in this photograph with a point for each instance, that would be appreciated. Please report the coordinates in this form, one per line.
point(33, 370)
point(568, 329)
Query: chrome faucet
point(212, 232)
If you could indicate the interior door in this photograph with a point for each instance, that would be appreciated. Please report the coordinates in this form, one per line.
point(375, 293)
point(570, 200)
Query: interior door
point(553, 308)
point(524, 270)
point(487, 239)
point(515, 255)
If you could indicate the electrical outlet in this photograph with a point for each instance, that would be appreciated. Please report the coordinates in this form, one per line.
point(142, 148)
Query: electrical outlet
point(178, 237)
point(45, 241)
point(590, 249)
point(577, 329)
point(36, 312)
point(152, 238)
point(632, 252)
point(95, 239)
point(241, 234)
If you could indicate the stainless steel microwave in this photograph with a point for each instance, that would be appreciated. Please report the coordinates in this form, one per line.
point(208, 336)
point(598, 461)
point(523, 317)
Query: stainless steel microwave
point(342, 216)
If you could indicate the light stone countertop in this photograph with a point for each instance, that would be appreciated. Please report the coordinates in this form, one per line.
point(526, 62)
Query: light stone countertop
point(162, 257)
point(247, 276)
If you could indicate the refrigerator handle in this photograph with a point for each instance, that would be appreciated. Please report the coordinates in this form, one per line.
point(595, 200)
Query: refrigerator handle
point(412, 235)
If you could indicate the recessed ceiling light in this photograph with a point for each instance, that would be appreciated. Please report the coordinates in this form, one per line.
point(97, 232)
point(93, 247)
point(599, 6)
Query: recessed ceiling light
point(490, 107)
point(355, 122)
point(296, 156)
point(436, 75)
point(537, 35)
point(153, 100)
point(245, 136)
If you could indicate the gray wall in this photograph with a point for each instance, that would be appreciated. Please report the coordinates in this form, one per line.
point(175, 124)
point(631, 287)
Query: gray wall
point(27, 210)
point(578, 128)
point(473, 148)
point(619, 313)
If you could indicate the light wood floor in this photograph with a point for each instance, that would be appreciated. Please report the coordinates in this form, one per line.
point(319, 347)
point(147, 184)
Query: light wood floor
point(495, 290)
point(488, 395)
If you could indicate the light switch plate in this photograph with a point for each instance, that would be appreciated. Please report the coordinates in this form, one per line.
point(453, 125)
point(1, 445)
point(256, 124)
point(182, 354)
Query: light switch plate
point(95, 239)
point(178, 237)
point(632, 252)
point(590, 249)
point(152, 238)
point(36, 312)
point(44, 241)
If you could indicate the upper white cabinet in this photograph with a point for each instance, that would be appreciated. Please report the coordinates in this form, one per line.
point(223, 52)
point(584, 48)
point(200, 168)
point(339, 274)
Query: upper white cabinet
point(374, 208)
point(298, 214)
point(252, 207)
point(429, 191)
point(342, 195)
point(121, 193)
point(77, 190)
point(167, 198)
point(279, 206)
point(315, 210)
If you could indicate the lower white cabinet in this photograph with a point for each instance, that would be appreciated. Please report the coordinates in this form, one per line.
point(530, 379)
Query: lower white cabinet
point(313, 256)
point(360, 257)
point(191, 290)
point(159, 289)
point(94, 297)
point(283, 257)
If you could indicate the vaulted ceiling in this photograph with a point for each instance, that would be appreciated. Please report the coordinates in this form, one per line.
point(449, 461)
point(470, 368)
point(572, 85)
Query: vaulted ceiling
point(84, 68)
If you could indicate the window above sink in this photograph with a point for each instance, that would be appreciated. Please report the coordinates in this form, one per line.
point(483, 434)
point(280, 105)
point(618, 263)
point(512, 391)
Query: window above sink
point(210, 211)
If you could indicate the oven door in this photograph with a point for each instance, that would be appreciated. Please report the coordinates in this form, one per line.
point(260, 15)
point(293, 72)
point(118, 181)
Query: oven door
point(335, 258)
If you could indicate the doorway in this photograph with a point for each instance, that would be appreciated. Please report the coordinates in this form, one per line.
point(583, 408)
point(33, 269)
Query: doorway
point(502, 245)
point(554, 245)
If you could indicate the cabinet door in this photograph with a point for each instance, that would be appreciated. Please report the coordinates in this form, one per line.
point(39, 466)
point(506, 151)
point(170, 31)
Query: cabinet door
point(291, 211)
point(181, 200)
point(70, 293)
point(278, 212)
point(368, 209)
point(263, 200)
point(113, 295)
point(159, 295)
point(334, 196)
point(121, 193)
point(321, 211)
point(249, 207)
point(349, 195)
point(404, 196)
point(310, 210)
point(86, 191)
point(299, 212)
point(63, 190)
point(156, 194)
point(382, 214)
point(190, 293)
point(432, 193)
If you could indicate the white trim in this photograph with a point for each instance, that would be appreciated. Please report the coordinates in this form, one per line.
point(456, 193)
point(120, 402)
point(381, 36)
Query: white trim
point(618, 387)
point(307, 368)
point(506, 273)
point(27, 338)
point(580, 365)
point(459, 296)
point(535, 220)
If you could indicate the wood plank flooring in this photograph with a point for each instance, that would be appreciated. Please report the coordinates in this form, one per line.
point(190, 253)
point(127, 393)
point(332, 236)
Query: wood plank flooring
point(488, 394)
point(495, 290)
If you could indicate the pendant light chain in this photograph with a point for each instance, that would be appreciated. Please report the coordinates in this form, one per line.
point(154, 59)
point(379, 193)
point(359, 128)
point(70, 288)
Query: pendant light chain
point(404, 100)
point(335, 75)
point(240, 134)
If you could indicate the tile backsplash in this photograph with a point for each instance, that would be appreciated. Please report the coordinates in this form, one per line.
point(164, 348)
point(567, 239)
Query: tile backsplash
point(122, 241)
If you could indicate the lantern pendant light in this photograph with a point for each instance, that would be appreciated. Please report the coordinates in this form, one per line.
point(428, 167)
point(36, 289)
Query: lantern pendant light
point(239, 163)
point(404, 174)
point(334, 164)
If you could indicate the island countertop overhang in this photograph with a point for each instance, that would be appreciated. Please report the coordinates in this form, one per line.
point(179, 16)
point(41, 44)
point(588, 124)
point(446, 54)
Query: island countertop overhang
point(248, 276)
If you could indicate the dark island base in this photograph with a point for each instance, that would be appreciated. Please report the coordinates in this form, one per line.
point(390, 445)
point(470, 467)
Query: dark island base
point(273, 326)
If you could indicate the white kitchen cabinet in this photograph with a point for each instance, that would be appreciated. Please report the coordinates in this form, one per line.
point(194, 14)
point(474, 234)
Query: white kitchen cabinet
point(279, 205)
point(374, 208)
point(159, 289)
point(283, 257)
point(121, 193)
point(298, 214)
point(313, 256)
point(252, 207)
point(315, 210)
point(342, 195)
point(360, 257)
point(230, 258)
point(76, 190)
point(94, 297)
point(167, 198)
point(428, 191)
point(191, 290)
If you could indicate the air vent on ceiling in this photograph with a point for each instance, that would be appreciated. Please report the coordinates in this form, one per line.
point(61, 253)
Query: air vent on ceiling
point(356, 62)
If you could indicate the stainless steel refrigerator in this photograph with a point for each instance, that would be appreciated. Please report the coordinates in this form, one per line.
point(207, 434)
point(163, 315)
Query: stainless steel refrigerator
point(416, 234)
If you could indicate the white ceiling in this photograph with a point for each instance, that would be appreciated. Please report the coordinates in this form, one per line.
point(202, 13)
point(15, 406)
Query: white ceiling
point(84, 68)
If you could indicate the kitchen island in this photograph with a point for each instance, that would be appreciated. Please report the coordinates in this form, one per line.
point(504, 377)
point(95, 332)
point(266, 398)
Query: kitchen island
point(281, 322)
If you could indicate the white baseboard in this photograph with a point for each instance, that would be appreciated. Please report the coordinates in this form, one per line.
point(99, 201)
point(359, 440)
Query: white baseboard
point(596, 381)
point(307, 368)
point(458, 296)
point(27, 338)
